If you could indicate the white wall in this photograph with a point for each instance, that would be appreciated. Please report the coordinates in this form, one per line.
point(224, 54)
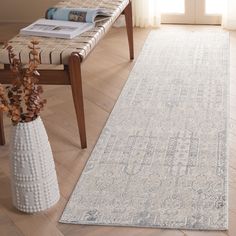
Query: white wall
point(23, 10)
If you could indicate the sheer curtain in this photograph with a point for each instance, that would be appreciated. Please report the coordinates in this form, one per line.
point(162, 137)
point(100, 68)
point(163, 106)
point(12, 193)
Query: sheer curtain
point(146, 13)
point(229, 15)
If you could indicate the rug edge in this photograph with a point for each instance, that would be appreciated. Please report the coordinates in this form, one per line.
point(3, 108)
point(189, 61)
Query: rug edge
point(224, 228)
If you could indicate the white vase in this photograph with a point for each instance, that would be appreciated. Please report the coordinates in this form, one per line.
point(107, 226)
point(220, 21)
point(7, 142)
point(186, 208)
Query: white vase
point(33, 175)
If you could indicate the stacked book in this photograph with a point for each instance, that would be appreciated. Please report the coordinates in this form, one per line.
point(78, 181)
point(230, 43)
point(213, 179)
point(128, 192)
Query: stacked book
point(66, 22)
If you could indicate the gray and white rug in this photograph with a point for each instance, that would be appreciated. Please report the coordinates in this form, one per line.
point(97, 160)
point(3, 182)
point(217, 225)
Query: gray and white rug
point(161, 160)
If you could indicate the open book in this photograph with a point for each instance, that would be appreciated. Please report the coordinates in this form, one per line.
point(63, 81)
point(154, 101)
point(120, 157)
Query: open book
point(90, 15)
point(66, 22)
point(56, 28)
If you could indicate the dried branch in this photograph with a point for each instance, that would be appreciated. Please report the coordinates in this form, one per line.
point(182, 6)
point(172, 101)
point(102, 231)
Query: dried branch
point(22, 99)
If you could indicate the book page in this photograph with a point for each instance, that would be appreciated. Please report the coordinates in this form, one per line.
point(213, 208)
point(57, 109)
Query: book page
point(77, 14)
point(45, 27)
point(55, 28)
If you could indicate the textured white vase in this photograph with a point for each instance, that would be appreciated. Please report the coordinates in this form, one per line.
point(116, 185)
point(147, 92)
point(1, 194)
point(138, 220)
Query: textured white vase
point(33, 175)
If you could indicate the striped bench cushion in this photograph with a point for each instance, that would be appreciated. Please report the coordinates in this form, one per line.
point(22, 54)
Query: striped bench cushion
point(57, 51)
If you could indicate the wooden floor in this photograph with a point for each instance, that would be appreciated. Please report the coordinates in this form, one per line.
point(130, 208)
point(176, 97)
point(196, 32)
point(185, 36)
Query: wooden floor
point(104, 74)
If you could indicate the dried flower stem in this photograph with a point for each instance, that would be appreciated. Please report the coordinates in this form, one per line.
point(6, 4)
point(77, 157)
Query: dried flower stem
point(22, 99)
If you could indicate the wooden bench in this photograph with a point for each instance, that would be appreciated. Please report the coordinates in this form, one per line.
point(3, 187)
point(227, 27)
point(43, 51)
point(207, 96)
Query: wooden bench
point(69, 53)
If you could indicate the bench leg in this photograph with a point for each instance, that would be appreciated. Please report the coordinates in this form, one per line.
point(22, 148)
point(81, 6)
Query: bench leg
point(76, 86)
point(129, 27)
point(2, 136)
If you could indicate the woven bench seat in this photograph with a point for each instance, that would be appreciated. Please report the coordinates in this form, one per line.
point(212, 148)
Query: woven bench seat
point(69, 53)
point(57, 51)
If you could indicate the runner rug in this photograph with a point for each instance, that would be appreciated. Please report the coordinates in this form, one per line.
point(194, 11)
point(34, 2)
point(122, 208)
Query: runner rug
point(161, 160)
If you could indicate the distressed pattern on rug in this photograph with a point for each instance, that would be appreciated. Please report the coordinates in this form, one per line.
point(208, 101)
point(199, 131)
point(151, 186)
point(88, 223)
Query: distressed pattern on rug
point(161, 160)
